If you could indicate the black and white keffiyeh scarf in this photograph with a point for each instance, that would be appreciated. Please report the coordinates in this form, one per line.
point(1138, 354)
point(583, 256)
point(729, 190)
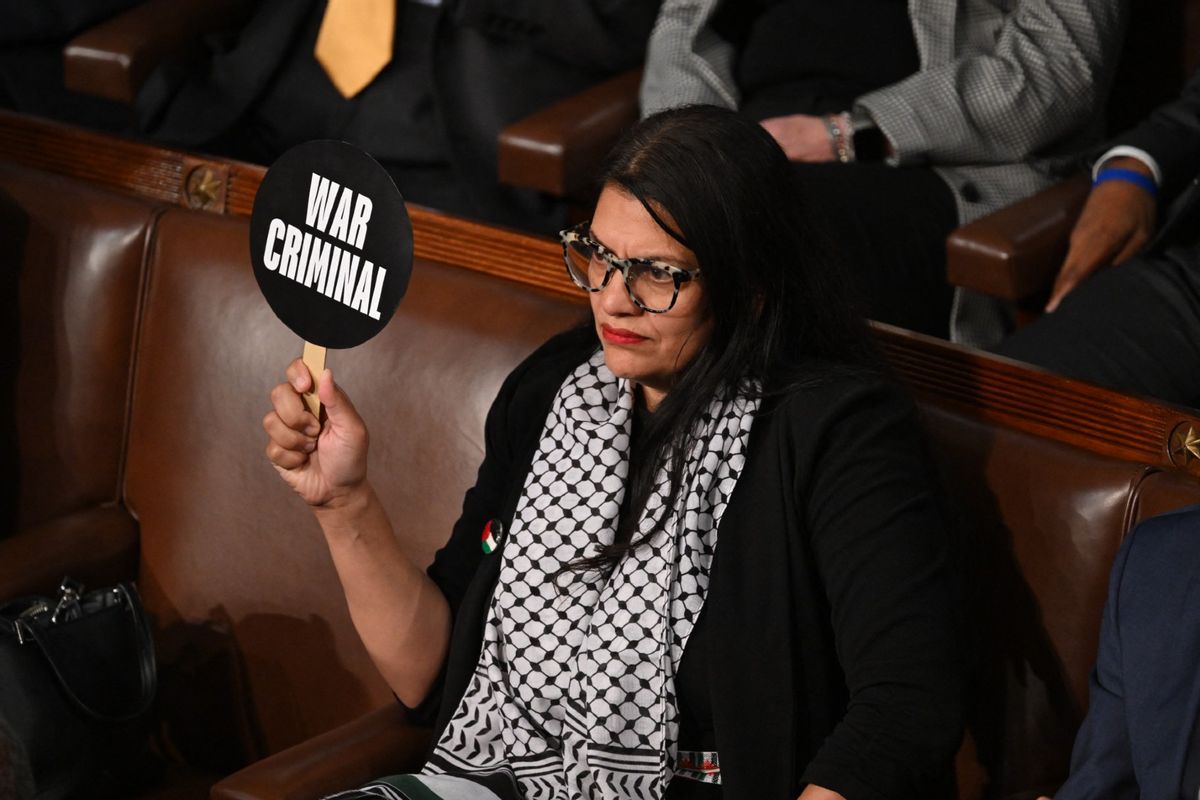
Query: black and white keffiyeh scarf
point(574, 693)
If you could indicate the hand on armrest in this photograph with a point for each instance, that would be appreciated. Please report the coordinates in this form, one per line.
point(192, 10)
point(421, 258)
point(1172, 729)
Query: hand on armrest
point(1117, 221)
point(1015, 252)
point(380, 743)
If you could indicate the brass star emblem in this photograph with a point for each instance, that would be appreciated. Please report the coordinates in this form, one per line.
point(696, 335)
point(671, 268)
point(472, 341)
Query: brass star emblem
point(1185, 444)
point(203, 187)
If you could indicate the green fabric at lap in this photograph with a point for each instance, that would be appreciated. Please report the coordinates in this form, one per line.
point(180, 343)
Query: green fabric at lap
point(412, 787)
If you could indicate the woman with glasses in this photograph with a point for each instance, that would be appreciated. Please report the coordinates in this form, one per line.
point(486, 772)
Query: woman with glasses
point(711, 563)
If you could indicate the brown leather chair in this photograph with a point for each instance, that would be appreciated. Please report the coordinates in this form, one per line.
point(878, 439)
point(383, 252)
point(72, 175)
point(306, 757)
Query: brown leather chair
point(227, 555)
point(67, 365)
point(1043, 478)
point(113, 59)
point(558, 150)
point(255, 646)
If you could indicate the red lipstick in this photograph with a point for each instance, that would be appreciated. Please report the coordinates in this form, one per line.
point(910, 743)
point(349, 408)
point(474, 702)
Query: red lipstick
point(619, 335)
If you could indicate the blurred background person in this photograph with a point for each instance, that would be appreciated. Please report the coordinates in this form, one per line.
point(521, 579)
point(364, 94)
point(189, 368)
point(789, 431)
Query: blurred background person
point(424, 86)
point(1140, 737)
point(1136, 326)
point(946, 111)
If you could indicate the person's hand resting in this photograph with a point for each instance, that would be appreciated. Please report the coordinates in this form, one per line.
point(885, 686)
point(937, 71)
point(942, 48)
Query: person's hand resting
point(322, 464)
point(803, 138)
point(1117, 221)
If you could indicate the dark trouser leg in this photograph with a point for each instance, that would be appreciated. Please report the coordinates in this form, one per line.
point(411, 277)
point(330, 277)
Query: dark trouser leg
point(1135, 327)
point(886, 228)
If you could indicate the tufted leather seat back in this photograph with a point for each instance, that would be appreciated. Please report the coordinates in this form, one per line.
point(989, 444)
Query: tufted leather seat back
point(1038, 524)
point(228, 555)
point(70, 272)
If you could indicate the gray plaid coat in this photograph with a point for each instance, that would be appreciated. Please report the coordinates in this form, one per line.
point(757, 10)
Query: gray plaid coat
point(1007, 90)
point(1004, 86)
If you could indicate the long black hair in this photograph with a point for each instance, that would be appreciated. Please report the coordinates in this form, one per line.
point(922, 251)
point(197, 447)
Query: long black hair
point(775, 304)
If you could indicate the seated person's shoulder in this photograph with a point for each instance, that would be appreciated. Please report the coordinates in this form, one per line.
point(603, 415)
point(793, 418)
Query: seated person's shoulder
point(1165, 540)
point(1187, 518)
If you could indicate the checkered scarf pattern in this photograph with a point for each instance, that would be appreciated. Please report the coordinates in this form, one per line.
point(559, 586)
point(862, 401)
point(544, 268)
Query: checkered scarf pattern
point(574, 689)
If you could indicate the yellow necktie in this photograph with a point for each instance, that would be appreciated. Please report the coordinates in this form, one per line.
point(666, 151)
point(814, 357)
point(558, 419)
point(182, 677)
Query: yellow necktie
point(355, 42)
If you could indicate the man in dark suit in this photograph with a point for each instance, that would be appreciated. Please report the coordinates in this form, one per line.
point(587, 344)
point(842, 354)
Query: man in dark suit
point(1135, 327)
point(1140, 738)
point(460, 70)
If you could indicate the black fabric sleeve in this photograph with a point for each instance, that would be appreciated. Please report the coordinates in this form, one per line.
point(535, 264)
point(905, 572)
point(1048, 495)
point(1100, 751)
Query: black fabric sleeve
point(1172, 135)
point(879, 543)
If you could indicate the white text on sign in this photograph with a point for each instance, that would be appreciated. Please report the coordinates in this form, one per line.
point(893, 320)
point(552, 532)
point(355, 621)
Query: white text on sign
point(339, 274)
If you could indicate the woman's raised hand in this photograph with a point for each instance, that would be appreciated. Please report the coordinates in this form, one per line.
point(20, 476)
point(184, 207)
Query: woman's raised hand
point(323, 464)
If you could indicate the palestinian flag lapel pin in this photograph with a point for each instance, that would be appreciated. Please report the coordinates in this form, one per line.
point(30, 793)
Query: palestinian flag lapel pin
point(493, 532)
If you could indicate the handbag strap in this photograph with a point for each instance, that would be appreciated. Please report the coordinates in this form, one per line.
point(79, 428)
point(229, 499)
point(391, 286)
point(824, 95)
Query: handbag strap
point(147, 668)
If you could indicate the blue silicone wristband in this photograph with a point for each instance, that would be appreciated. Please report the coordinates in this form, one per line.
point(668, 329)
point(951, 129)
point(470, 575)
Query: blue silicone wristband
point(1129, 176)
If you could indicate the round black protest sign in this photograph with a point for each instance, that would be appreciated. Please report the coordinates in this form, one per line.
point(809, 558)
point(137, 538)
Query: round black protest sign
point(331, 243)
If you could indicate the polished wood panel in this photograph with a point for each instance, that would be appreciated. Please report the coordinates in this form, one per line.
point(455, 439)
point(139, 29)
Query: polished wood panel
point(162, 174)
point(1030, 399)
point(993, 389)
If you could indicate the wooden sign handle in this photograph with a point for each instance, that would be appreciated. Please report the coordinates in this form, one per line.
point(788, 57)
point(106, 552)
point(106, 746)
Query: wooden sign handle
point(314, 359)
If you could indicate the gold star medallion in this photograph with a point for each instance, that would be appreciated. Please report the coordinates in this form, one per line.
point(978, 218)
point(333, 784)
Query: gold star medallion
point(203, 188)
point(1185, 444)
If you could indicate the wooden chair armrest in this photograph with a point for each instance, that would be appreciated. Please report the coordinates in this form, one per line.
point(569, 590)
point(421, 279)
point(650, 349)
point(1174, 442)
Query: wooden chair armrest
point(383, 742)
point(113, 59)
point(97, 546)
point(1015, 253)
point(558, 149)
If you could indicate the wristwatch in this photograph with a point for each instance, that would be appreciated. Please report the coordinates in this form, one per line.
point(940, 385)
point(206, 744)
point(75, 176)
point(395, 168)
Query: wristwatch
point(870, 145)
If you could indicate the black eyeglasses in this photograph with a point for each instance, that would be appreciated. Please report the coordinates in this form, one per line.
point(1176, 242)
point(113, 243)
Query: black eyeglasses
point(652, 285)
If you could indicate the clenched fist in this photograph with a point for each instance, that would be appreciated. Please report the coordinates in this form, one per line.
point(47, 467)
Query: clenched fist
point(322, 463)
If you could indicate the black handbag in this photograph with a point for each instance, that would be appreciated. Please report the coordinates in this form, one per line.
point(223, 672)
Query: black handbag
point(77, 680)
